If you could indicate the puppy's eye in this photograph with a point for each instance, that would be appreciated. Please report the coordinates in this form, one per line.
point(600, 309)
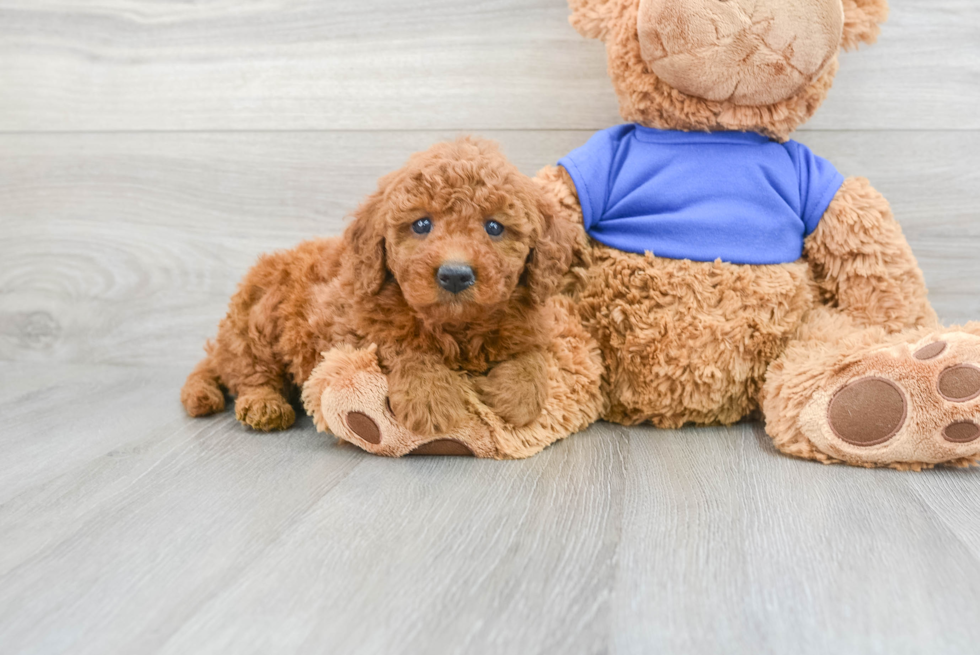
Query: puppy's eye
point(422, 226)
point(493, 228)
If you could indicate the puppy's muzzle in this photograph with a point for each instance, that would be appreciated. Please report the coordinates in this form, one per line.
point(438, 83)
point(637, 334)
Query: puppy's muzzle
point(455, 277)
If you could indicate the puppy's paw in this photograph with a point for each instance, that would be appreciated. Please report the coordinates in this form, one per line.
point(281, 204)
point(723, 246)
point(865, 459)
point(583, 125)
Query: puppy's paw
point(516, 390)
point(264, 409)
point(428, 406)
point(200, 399)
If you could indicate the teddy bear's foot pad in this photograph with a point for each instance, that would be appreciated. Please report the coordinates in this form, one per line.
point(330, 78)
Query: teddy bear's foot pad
point(443, 447)
point(960, 384)
point(912, 404)
point(867, 412)
point(383, 436)
point(367, 429)
point(962, 432)
point(363, 426)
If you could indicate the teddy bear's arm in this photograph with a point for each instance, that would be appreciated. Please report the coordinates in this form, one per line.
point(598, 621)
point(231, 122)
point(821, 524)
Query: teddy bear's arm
point(862, 263)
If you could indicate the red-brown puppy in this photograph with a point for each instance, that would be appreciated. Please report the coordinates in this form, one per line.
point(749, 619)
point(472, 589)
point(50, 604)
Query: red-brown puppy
point(446, 268)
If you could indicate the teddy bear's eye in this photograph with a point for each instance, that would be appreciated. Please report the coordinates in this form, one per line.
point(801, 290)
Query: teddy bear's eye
point(493, 228)
point(422, 226)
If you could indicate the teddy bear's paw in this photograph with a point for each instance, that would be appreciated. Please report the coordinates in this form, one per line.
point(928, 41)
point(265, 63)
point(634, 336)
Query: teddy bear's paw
point(264, 409)
point(909, 405)
point(382, 435)
point(348, 395)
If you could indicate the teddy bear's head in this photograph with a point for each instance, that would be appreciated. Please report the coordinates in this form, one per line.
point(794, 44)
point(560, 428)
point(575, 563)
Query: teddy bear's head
point(749, 65)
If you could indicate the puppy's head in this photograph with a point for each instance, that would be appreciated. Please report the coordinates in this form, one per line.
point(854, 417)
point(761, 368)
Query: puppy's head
point(461, 230)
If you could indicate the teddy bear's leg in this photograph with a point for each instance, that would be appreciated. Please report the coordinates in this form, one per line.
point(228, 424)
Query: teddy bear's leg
point(861, 395)
point(871, 378)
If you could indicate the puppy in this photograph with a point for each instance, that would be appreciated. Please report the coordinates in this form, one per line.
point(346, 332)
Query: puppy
point(446, 268)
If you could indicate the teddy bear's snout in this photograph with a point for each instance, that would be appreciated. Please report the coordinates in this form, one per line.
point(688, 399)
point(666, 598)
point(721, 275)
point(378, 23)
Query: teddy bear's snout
point(748, 52)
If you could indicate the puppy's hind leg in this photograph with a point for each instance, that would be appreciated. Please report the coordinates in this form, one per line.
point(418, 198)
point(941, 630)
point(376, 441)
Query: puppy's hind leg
point(259, 385)
point(202, 394)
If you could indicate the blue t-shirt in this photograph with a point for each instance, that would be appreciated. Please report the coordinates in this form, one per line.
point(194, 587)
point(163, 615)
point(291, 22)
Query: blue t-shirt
point(734, 196)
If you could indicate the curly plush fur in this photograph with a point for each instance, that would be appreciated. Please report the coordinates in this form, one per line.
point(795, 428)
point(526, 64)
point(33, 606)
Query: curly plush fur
point(646, 99)
point(691, 342)
point(377, 285)
point(708, 342)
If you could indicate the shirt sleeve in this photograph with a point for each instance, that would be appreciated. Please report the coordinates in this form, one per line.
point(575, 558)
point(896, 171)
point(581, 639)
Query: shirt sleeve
point(819, 183)
point(590, 167)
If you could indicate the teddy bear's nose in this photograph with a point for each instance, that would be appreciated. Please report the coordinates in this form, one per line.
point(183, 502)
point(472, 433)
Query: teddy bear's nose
point(455, 276)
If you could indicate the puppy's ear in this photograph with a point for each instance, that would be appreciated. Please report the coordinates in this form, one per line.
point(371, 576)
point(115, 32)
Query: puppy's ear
point(366, 246)
point(862, 20)
point(592, 18)
point(553, 253)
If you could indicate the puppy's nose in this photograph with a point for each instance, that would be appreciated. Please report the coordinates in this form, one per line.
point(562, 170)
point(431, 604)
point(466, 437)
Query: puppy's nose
point(455, 276)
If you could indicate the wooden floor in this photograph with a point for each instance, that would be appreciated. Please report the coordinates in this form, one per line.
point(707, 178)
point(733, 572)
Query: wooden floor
point(150, 150)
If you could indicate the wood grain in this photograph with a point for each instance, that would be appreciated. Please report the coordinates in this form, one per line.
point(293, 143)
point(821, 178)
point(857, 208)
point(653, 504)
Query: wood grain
point(777, 554)
point(435, 64)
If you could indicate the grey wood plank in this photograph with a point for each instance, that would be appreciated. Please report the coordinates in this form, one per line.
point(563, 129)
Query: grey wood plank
point(210, 538)
point(729, 547)
point(201, 536)
point(374, 64)
point(125, 248)
point(56, 423)
point(147, 532)
point(509, 557)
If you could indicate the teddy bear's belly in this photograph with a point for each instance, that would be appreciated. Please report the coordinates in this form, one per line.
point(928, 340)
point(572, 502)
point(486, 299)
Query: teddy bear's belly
point(688, 342)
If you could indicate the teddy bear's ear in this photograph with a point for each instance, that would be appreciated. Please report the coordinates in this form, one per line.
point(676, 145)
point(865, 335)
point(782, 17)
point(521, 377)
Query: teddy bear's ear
point(862, 20)
point(591, 17)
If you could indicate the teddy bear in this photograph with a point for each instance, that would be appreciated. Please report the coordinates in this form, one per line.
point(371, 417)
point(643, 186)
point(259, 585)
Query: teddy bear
point(725, 270)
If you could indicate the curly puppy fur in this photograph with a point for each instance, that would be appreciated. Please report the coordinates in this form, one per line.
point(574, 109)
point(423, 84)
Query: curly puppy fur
point(377, 285)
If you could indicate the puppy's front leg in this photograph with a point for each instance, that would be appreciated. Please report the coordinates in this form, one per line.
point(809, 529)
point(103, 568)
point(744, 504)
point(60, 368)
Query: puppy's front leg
point(426, 397)
point(516, 389)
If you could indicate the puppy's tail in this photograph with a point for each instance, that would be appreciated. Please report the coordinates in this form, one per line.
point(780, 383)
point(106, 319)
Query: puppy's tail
point(202, 394)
